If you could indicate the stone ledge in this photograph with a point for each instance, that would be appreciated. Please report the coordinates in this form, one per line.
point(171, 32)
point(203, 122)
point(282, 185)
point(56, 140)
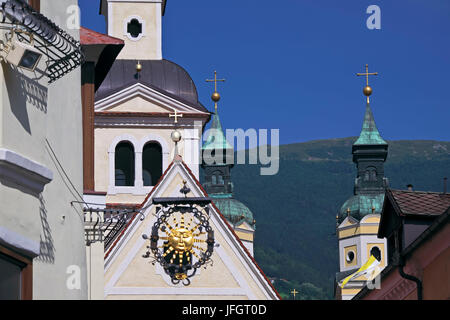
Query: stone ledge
point(24, 172)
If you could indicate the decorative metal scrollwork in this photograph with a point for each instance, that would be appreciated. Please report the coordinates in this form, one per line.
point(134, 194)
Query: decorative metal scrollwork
point(181, 240)
point(63, 52)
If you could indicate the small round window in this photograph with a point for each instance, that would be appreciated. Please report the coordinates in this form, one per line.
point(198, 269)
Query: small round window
point(350, 257)
point(134, 28)
point(376, 252)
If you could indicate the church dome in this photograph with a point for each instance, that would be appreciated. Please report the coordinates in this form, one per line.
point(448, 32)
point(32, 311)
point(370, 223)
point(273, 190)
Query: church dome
point(361, 205)
point(162, 75)
point(233, 210)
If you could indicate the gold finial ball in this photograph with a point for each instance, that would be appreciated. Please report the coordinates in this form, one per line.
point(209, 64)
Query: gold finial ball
point(176, 136)
point(215, 97)
point(367, 91)
point(138, 67)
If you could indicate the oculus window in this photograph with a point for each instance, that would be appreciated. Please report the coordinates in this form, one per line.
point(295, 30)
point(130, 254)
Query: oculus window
point(350, 257)
point(134, 28)
point(376, 252)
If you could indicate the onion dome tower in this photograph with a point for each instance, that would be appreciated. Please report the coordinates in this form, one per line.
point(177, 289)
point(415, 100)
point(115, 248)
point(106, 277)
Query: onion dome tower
point(359, 217)
point(369, 154)
point(217, 162)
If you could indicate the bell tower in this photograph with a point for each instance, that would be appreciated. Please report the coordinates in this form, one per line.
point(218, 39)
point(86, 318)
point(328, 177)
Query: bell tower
point(217, 162)
point(217, 153)
point(138, 23)
point(358, 219)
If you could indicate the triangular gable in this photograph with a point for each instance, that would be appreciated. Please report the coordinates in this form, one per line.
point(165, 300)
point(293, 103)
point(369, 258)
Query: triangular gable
point(243, 225)
point(348, 221)
point(233, 275)
point(131, 99)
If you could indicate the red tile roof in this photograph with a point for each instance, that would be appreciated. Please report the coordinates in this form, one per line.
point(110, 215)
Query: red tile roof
point(217, 210)
point(89, 37)
point(420, 202)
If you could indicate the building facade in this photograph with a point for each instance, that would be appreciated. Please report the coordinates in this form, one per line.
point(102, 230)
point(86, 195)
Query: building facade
point(42, 252)
point(416, 226)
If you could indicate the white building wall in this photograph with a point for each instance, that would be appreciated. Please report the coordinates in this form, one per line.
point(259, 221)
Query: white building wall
point(36, 116)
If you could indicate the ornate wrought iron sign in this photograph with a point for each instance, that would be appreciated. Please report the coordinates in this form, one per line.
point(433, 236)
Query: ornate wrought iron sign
point(182, 239)
point(41, 37)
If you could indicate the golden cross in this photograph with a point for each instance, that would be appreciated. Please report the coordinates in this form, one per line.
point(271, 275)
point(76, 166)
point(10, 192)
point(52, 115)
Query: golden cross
point(367, 74)
point(294, 292)
point(176, 116)
point(215, 81)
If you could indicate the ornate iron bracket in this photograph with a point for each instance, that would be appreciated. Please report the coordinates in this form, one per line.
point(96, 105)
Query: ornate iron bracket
point(104, 224)
point(63, 52)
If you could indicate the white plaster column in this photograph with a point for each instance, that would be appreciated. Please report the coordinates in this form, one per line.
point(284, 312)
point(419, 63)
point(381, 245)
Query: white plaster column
point(138, 181)
point(192, 150)
point(112, 176)
point(95, 272)
point(165, 158)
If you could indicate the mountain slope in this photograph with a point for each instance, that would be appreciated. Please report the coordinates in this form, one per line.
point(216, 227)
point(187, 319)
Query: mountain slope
point(295, 210)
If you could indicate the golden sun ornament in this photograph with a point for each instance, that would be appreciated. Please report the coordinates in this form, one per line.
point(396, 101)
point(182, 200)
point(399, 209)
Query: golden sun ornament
point(182, 242)
point(182, 239)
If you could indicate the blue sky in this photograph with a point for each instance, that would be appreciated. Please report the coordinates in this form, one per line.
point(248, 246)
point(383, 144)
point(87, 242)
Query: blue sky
point(291, 65)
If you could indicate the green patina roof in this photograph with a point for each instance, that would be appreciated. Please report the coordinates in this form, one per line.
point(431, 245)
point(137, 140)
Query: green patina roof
point(233, 210)
point(369, 133)
point(361, 205)
point(216, 139)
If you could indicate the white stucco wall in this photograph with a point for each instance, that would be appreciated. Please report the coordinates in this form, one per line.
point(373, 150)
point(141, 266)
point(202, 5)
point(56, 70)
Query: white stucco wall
point(149, 44)
point(31, 112)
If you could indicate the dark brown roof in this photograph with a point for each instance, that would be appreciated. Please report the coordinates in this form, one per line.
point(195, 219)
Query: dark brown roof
point(420, 202)
point(163, 75)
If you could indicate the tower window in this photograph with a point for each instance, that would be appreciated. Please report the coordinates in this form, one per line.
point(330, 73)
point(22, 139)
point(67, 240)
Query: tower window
point(370, 174)
point(350, 257)
point(217, 178)
point(376, 252)
point(134, 28)
point(124, 164)
point(151, 163)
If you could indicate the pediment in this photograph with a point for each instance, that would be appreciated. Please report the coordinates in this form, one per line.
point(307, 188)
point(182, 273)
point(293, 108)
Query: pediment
point(139, 98)
point(348, 221)
point(232, 275)
point(243, 225)
point(139, 103)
